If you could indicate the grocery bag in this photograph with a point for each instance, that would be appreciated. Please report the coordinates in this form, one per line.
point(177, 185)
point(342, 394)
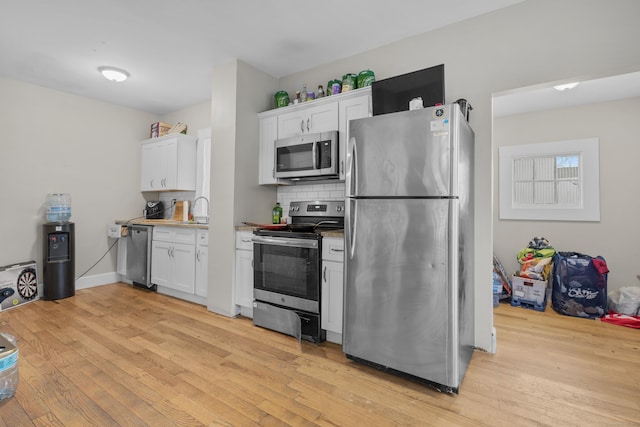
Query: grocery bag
point(579, 285)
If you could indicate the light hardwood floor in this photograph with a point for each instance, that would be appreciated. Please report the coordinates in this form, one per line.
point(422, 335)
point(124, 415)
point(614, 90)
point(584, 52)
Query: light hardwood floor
point(115, 355)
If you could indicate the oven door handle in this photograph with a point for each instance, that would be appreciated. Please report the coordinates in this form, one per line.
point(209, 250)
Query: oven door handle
point(288, 242)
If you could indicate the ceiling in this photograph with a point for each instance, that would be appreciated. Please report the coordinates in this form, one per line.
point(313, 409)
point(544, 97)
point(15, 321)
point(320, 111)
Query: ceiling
point(170, 47)
point(545, 97)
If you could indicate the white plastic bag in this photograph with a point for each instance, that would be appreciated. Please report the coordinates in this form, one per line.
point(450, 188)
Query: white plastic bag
point(625, 300)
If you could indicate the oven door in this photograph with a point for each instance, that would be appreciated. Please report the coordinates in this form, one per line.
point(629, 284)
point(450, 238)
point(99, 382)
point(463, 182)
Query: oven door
point(286, 272)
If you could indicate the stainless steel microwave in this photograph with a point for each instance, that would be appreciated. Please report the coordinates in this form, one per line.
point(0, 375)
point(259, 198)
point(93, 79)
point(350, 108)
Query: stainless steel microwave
point(310, 156)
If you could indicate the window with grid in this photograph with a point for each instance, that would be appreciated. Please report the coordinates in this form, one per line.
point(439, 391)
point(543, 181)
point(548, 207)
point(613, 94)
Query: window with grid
point(550, 181)
point(547, 180)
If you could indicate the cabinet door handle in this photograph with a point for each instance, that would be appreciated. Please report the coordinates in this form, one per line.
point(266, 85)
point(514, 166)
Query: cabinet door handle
point(342, 167)
point(308, 125)
point(302, 125)
point(336, 250)
point(198, 255)
point(252, 263)
point(169, 252)
point(324, 274)
point(151, 184)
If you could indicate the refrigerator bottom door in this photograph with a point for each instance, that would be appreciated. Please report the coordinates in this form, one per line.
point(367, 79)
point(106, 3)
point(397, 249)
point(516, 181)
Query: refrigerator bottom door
point(400, 290)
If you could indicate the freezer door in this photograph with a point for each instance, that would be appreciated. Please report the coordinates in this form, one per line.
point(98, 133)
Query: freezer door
point(406, 154)
point(400, 308)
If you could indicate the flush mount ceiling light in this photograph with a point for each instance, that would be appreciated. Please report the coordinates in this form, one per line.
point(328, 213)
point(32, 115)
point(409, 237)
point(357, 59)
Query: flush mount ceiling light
point(114, 74)
point(566, 86)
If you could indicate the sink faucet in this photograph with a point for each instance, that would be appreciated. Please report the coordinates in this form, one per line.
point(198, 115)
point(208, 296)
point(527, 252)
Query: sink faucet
point(206, 218)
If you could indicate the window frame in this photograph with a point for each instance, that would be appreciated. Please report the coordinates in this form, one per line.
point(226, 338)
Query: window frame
point(589, 178)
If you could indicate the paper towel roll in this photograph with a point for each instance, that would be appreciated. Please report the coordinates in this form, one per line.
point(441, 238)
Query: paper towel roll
point(185, 211)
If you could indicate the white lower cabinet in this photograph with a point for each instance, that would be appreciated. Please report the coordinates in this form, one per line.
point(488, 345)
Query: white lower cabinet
point(202, 262)
point(244, 273)
point(332, 290)
point(173, 255)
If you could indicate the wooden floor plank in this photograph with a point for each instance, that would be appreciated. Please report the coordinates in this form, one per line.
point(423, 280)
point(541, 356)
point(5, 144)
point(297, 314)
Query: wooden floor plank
point(118, 355)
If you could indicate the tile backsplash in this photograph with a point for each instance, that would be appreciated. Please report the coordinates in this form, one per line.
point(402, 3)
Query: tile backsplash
point(285, 195)
point(308, 192)
point(168, 196)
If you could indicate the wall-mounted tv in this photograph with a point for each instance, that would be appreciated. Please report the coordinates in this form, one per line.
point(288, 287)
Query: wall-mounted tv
point(393, 94)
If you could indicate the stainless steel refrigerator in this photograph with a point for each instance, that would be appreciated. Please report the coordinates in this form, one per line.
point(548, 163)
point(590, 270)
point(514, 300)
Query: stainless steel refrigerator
point(409, 305)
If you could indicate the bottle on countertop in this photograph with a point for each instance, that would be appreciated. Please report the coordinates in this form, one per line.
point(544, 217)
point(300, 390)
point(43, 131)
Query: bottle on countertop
point(276, 214)
point(320, 92)
point(297, 100)
point(303, 94)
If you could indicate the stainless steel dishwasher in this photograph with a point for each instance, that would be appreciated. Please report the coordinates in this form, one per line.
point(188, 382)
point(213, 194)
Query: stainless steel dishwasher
point(139, 255)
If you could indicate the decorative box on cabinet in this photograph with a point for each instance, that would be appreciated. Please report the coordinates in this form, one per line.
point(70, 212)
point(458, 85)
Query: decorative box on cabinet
point(168, 163)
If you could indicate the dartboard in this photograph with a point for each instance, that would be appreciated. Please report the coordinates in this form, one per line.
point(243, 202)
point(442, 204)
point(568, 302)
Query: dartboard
point(27, 283)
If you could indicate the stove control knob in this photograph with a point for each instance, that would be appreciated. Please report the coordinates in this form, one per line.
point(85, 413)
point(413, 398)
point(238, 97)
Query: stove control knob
point(339, 208)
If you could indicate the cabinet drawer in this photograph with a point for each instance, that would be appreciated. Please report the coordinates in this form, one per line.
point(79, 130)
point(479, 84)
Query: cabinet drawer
point(202, 237)
point(333, 249)
point(162, 234)
point(184, 235)
point(175, 235)
point(243, 240)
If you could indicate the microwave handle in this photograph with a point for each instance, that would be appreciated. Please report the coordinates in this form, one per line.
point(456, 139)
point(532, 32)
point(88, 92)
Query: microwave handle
point(314, 155)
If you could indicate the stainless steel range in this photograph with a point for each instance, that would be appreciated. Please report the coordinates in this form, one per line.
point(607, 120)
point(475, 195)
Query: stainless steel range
point(287, 269)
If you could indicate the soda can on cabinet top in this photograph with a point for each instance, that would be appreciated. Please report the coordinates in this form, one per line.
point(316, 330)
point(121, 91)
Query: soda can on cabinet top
point(334, 87)
point(281, 99)
point(365, 78)
point(349, 82)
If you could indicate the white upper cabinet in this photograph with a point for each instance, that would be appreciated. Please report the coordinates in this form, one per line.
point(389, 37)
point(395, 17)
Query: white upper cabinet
point(321, 115)
point(268, 136)
point(350, 109)
point(313, 119)
point(168, 163)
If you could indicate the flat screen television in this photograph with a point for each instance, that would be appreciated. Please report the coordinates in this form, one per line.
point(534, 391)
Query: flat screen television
point(393, 94)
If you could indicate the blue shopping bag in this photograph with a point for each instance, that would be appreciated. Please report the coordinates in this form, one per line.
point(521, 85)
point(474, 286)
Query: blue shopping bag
point(579, 285)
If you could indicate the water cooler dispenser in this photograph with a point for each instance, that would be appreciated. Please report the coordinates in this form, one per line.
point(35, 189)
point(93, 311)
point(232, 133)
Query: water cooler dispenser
point(58, 238)
point(59, 260)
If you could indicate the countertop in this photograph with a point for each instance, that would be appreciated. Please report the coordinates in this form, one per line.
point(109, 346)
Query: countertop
point(173, 223)
point(163, 222)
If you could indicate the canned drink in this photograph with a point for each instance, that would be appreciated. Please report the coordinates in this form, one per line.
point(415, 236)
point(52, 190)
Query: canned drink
point(281, 99)
point(365, 78)
point(334, 87)
point(348, 82)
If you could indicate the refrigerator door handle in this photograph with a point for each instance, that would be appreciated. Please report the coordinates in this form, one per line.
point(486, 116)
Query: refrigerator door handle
point(352, 215)
point(351, 175)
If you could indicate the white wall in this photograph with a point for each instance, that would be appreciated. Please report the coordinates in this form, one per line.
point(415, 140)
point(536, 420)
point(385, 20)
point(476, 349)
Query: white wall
point(616, 235)
point(195, 117)
point(56, 142)
point(239, 92)
point(530, 43)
